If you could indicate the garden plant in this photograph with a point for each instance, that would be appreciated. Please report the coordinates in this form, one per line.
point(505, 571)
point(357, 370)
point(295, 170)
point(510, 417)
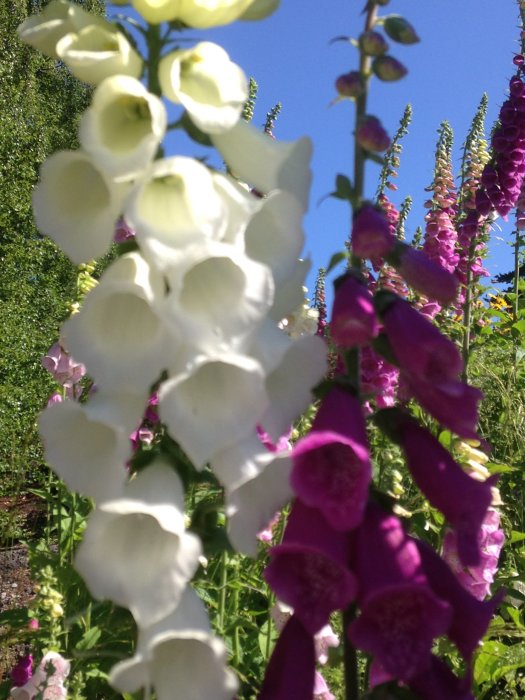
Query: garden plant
point(248, 494)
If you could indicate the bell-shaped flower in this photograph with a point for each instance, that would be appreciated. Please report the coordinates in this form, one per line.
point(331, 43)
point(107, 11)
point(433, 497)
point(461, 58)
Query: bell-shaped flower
point(76, 205)
point(88, 453)
point(267, 164)
point(289, 385)
point(149, 558)
point(290, 294)
point(241, 205)
point(252, 503)
point(462, 500)
point(174, 205)
point(216, 401)
point(64, 369)
point(438, 682)
point(157, 11)
point(43, 684)
point(309, 570)
point(203, 14)
point(211, 88)
point(97, 52)
point(331, 465)
point(275, 236)
point(123, 127)
point(179, 656)
point(58, 18)
point(371, 236)
point(420, 349)
point(269, 344)
point(400, 613)
point(241, 462)
point(354, 322)
point(290, 671)
point(119, 333)
point(217, 295)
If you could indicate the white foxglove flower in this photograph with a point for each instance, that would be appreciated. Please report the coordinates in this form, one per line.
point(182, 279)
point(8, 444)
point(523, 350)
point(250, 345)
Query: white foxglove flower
point(57, 19)
point(76, 205)
point(259, 9)
point(179, 656)
point(241, 205)
point(88, 453)
point(211, 13)
point(251, 506)
point(217, 295)
point(97, 52)
point(275, 236)
point(207, 84)
point(268, 345)
point(174, 205)
point(148, 556)
point(289, 296)
point(288, 386)
point(265, 163)
point(215, 402)
point(119, 333)
point(157, 11)
point(123, 127)
point(241, 462)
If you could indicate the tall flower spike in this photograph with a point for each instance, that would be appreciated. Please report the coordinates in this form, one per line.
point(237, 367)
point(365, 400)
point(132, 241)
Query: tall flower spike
point(331, 465)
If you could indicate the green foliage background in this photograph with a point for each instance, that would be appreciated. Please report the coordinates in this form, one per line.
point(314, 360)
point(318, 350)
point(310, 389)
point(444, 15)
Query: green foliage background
point(40, 106)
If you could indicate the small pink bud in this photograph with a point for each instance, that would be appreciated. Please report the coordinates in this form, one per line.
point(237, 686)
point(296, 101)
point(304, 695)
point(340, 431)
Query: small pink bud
point(372, 136)
point(350, 84)
point(33, 624)
point(388, 68)
point(373, 43)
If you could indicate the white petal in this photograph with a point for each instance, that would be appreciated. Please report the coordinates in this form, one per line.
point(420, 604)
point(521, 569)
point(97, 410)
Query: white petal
point(260, 9)
point(268, 345)
point(275, 235)
point(211, 13)
point(157, 11)
point(123, 127)
point(89, 455)
point(97, 52)
point(118, 333)
point(214, 403)
point(241, 205)
point(289, 296)
point(174, 205)
point(251, 506)
point(265, 163)
point(207, 84)
point(303, 366)
point(217, 295)
point(76, 205)
point(241, 462)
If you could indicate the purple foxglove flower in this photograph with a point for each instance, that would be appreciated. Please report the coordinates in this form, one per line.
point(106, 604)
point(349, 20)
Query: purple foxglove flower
point(438, 682)
point(331, 465)
point(470, 616)
point(372, 136)
point(400, 614)
point(354, 322)
point(462, 500)
point(309, 569)
point(371, 235)
point(453, 403)
point(290, 671)
point(23, 670)
point(424, 275)
point(418, 346)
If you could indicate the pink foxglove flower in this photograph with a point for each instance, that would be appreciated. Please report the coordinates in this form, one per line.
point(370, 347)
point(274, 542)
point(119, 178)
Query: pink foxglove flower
point(309, 569)
point(371, 235)
point(354, 321)
point(331, 465)
point(321, 689)
point(47, 682)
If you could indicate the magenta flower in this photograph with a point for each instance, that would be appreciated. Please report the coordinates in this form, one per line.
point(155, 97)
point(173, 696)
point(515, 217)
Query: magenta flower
point(438, 682)
point(477, 579)
point(418, 346)
point(470, 616)
point(424, 275)
point(354, 321)
point(61, 365)
point(309, 569)
point(331, 465)
point(371, 235)
point(400, 614)
point(378, 378)
point(290, 671)
point(462, 500)
point(22, 671)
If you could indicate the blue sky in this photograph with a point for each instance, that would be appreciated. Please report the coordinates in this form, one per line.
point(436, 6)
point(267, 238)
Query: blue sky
point(466, 49)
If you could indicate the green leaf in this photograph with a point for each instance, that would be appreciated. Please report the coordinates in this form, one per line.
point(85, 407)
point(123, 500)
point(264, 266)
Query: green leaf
point(89, 639)
point(516, 536)
point(336, 259)
point(263, 638)
point(495, 468)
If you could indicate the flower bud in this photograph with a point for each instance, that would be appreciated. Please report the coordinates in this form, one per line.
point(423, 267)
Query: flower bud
point(388, 68)
point(373, 44)
point(372, 136)
point(354, 322)
point(371, 236)
point(350, 84)
point(400, 30)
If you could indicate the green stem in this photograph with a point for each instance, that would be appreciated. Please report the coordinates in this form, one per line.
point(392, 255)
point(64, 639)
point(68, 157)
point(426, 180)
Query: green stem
point(154, 42)
point(223, 590)
point(236, 644)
